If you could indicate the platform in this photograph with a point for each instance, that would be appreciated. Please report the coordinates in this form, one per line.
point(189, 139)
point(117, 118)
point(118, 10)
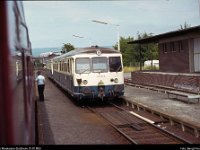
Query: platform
point(63, 122)
point(160, 102)
point(56, 116)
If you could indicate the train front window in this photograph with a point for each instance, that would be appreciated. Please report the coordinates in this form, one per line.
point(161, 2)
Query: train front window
point(99, 64)
point(115, 64)
point(82, 65)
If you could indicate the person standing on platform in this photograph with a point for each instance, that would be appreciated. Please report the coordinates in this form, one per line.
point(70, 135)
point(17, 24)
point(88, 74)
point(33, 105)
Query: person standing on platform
point(41, 85)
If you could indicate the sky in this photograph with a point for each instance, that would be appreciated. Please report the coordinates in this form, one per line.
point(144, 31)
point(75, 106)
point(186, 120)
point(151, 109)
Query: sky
point(52, 23)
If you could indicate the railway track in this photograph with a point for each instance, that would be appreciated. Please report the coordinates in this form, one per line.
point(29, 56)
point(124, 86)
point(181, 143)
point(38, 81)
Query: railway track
point(185, 129)
point(141, 127)
point(136, 128)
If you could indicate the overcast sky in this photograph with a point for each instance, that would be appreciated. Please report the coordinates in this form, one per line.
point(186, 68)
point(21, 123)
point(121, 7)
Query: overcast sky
point(52, 23)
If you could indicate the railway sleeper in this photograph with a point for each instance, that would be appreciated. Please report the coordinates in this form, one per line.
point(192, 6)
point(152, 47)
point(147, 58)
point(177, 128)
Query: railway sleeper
point(137, 127)
point(134, 126)
point(172, 122)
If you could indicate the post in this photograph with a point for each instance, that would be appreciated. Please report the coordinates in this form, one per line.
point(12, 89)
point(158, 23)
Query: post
point(140, 57)
point(118, 38)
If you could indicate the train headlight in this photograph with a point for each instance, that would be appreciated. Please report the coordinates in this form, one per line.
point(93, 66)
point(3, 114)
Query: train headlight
point(85, 82)
point(79, 81)
point(116, 80)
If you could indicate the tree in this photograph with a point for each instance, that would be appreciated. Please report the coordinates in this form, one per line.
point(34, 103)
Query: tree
point(146, 51)
point(126, 50)
point(67, 47)
point(131, 52)
point(185, 26)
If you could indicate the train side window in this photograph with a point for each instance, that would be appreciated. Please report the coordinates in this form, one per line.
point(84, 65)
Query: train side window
point(68, 66)
point(64, 66)
point(61, 65)
point(115, 64)
point(23, 36)
point(55, 66)
point(58, 62)
point(17, 24)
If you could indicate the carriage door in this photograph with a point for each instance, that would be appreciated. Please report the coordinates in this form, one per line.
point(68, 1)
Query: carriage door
point(197, 55)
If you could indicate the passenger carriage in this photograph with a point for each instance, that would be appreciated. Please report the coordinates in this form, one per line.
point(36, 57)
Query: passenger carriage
point(93, 72)
point(17, 94)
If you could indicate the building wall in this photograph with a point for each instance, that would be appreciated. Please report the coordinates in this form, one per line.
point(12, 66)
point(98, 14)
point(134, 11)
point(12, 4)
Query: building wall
point(187, 81)
point(174, 56)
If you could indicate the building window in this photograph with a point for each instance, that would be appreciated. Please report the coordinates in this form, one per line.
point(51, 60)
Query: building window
point(164, 47)
point(172, 47)
point(180, 46)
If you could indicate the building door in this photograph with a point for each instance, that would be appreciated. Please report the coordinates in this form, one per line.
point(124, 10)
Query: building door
point(197, 55)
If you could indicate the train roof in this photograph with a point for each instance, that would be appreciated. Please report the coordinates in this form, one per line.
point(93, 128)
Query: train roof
point(90, 50)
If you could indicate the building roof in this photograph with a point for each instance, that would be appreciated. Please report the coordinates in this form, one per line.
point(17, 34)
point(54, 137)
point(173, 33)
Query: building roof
point(47, 54)
point(156, 38)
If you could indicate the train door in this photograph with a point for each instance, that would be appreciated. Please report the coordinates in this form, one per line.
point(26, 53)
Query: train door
point(29, 102)
point(71, 72)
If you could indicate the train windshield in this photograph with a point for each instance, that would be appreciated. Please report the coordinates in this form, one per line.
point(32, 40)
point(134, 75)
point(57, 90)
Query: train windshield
point(99, 64)
point(115, 64)
point(82, 65)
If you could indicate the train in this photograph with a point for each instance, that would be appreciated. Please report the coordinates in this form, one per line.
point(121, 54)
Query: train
point(17, 98)
point(89, 73)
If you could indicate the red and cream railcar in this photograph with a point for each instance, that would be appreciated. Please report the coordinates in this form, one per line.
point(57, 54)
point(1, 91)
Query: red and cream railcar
point(17, 105)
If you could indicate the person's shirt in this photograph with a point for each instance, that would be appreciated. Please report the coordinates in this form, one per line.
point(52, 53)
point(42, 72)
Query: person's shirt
point(40, 80)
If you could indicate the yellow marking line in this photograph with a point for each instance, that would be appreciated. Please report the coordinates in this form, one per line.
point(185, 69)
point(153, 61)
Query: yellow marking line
point(143, 118)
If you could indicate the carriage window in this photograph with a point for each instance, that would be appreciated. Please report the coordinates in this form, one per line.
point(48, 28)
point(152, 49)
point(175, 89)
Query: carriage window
point(99, 64)
point(82, 65)
point(23, 36)
point(115, 64)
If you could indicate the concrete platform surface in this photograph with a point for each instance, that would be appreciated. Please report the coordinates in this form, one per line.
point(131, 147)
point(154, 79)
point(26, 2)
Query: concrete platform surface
point(177, 108)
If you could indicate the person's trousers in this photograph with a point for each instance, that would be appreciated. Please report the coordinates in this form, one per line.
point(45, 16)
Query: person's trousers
point(41, 92)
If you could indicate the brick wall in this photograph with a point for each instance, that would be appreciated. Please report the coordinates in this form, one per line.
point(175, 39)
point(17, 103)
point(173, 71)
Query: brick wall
point(174, 56)
point(187, 82)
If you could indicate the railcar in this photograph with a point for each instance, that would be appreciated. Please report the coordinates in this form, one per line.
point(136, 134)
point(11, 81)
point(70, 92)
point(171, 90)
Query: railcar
point(89, 73)
point(17, 105)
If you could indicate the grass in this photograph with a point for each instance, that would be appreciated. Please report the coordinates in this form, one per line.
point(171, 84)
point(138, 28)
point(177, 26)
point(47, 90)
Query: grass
point(130, 69)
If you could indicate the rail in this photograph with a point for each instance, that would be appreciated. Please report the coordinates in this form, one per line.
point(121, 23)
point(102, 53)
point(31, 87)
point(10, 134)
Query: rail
point(136, 129)
point(184, 125)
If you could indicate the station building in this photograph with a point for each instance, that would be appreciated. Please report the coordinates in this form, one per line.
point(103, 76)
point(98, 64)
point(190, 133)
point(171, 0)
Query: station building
point(179, 59)
point(179, 51)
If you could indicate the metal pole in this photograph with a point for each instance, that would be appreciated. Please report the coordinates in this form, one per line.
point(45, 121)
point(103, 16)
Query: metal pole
point(106, 23)
point(140, 57)
point(118, 38)
point(199, 7)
